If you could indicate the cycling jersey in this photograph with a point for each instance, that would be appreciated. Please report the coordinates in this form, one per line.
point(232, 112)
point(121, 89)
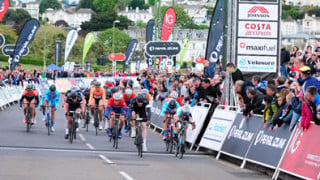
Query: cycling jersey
point(52, 98)
point(109, 84)
point(184, 118)
point(166, 109)
point(143, 111)
point(30, 96)
point(96, 96)
point(119, 108)
point(128, 99)
point(179, 100)
point(73, 105)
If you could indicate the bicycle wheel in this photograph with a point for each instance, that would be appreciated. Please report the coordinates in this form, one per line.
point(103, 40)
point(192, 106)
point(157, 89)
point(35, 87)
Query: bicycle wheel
point(139, 141)
point(115, 139)
point(181, 151)
point(71, 132)
point(171, 140)
point(28, 117)
point(96, 121)
point(48, 123)
point(87, 121)
point(168, 141)
point(177, 149)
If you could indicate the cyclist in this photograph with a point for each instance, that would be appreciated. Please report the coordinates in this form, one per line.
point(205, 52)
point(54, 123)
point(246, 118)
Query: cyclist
point(139, 106)
point(97, 97)
point(145, 93)
point(32, 96)
point(130, 83)
point(183, 114)
point(51, 96)
point(73, 103)
point(109, 83)
point(79, 92)
point(169, 107)
point(116, 104)
point(86, 94)
point(175, 95)
point(128, 96)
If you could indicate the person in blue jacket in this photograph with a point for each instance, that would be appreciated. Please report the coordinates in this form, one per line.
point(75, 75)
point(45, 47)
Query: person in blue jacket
point(50, 97)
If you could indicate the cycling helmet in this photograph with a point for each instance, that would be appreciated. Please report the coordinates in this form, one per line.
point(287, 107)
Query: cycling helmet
point(97, 84)
point(117, 96)
point(128, 92)
point(73, 95)
point(144, 92)
point(52, 88)
point(172, 104)
point(174, 95)
point(105, 87)
point(185, 110)
point(74, 88)
point(29, 87)
point(140, 98)
point(82, 87)
point(130, 82)
point(114, 90)
point(92, 82)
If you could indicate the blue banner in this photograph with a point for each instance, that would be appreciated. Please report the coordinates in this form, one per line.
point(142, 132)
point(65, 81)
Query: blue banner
point(215, 37)
point(149, 37)
point(129, 53)
point(26, 36)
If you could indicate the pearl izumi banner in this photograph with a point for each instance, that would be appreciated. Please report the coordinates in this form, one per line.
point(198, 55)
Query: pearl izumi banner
point(4, 5)
point(27, 34)
point(71, 39)
point(149, 37)
point(215, 37)
point(258, 37)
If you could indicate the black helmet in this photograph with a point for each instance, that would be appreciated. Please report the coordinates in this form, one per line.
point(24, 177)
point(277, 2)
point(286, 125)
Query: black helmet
point(97, 84)
point(140, 98)
point(92, 82)
point(73, 95)
point(29, 87)
point(52, 88)
point(172, 104)
point(114, 90)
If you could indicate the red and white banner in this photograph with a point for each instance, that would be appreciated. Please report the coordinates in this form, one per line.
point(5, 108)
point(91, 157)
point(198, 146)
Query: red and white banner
point(169, 19)
point(3, 8)
point(302, 156)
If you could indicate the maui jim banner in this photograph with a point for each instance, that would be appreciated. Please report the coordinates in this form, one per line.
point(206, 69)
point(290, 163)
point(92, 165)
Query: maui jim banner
point(27, 34)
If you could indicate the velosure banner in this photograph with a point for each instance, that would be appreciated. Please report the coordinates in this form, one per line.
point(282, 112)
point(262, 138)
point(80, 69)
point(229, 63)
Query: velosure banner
point(215, 37)
point(71, 39)
point(302, 157)
point(87, 44)
point(28, 31)
point(4, 5)
point(132, 45)
point(149, 37)
point(155, 114)
point(241, 134)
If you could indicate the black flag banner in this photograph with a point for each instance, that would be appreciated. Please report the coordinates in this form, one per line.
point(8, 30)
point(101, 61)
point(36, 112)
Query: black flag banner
point(26, 36)
point(129, 53)
point(149, 37)
point(215, 37)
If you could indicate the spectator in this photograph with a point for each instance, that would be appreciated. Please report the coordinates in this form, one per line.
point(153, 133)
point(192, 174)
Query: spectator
point(280, 83)
point(285, 58)
point(259, 84)
point(270, 110)
point(241, 88)
point(282, 111)
point(255, 106)
point(307, 80)
point(208, 94)
point(235, 72)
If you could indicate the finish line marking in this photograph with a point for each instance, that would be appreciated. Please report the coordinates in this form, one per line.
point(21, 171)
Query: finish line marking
point(82, 137)
point(105, 159)
point(125, 175)
point(90, 146)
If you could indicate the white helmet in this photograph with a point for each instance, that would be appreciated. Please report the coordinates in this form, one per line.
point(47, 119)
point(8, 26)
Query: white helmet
point(174, 95)
point(117, 96)
point(128, 92)
point(144, 92)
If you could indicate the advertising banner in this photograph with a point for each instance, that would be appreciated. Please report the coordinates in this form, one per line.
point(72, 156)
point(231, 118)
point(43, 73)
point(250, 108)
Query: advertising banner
point(8, 50)
point(199, 113)
point(58, 51)
point(138, 59)
point(71, 39)
point(169, 19)
point(302, 157)
point(257, 47)
point(132, 45)
point(215, 37)
point(155, 114)
point(26, 36)
point(269, 143)
point(4, 5)
point(257, 63)
point(87, 44)
point(149, 37)
point(217, 129)
point(185, 46)
point(258, 29)
point(162, 48)
point(241, 135)
point(2, 40)
point(258, 12)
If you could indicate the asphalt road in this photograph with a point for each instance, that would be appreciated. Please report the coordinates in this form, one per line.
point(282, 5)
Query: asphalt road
point(35, 155)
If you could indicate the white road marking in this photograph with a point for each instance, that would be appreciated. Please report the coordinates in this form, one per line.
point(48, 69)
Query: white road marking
point(125, 175)
point(105, 159)
point(90, 146)
point(82, 137)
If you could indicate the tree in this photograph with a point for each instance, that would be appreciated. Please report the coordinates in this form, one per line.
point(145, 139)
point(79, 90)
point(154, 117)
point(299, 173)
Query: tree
point(45, 4)
point(122, 4)
point(121, 40)
point(139, 3)
point(103, 5)
point(152, 2)
point(18, 16)
point(86, 4)
point(182, 20)
point(99, 21)
point(141, 24)
point(9, 35)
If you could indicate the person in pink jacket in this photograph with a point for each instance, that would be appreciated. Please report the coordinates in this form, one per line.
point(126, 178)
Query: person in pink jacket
point(307, 114)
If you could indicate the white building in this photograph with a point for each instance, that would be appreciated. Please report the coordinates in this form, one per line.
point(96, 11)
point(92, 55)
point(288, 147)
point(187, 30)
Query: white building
point(303, 2)
point(197, 13)
point(73, 19)
point(137, 14)
point(31, 7)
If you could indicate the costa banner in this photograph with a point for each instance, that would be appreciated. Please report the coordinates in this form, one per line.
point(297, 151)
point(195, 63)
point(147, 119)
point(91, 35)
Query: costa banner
point(87, 44)
point(129, 53)
point(215, 37)
point(169, 19)
point(185, 46)
point(4, 5)
point(28, 31)
point(149, 37)
point(302, 156)
point(71, 39)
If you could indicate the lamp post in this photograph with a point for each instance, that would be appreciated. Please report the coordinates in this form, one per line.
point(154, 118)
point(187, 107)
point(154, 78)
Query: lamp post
point(114, 63)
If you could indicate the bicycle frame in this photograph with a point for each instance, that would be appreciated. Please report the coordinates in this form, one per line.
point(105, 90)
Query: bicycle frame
point(139, 138)
point(170, 142)
point(72, 129)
